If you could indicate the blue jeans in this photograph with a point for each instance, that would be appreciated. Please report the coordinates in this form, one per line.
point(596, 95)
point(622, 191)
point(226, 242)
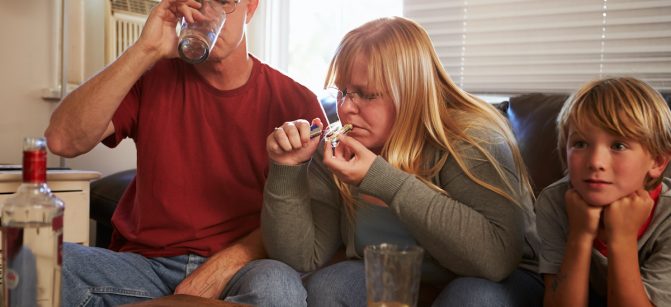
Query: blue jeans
point(343, 284)
point(99, 277)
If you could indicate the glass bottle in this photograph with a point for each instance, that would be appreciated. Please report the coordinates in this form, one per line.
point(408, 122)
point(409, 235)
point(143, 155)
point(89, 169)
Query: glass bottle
point(32, 235)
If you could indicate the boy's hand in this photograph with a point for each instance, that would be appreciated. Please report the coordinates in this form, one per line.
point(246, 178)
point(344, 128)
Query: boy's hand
point(583, 218)
point(625, 216)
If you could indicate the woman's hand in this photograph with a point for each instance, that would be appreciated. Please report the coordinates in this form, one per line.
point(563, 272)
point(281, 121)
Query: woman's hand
point(624, 217)
point(290, 144)
point(158, 34)
point(351, 160)
point(583, 218)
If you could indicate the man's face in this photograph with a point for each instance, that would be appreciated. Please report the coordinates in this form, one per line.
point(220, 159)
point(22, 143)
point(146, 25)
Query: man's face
point(232, 33)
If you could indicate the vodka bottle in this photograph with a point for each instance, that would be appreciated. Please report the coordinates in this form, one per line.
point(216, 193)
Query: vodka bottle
point(32, 236)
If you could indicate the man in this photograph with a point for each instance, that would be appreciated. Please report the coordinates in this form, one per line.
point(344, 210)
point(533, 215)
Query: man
point(188, 223)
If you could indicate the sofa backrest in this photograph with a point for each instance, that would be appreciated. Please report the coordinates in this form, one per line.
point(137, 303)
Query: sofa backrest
point(533, 120)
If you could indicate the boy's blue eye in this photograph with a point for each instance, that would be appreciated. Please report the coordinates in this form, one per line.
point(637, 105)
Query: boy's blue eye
point(618, 146)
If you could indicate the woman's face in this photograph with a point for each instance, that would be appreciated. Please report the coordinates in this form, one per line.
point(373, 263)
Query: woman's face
point(370, 111)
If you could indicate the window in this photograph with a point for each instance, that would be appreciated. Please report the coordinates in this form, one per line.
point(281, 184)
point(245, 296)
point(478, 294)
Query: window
point(516, 46)
point(301, 35)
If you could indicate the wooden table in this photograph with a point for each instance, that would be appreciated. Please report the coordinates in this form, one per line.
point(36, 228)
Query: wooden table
point(181, 300)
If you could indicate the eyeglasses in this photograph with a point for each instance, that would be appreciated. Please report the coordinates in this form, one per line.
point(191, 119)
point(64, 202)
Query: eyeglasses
point(228, 6)
point(357, 97)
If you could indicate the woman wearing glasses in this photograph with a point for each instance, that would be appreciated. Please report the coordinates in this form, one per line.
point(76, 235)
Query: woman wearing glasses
point(425, 163)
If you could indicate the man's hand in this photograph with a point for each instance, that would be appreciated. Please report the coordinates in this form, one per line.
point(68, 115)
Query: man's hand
point(211, 278)
point(158, 34)
point(625, 216)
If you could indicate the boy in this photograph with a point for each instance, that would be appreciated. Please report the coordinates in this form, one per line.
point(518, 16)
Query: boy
point(606, 227)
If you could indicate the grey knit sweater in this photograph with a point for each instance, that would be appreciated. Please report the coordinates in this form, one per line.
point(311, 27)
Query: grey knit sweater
point(471, 231)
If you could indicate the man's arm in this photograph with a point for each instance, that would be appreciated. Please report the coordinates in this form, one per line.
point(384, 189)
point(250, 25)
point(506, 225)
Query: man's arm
point(84, 117)
point(210, 279)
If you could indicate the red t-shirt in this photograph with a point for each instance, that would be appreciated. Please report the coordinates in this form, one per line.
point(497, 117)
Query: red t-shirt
point(201, 157)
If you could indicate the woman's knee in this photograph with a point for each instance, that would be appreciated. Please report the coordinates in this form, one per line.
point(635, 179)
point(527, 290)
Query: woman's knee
point(521, 288)
point(268, 283)
point(470, 291)
point(341, 284)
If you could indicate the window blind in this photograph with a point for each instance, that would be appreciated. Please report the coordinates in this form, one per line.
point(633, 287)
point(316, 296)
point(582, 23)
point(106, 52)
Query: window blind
point(518, 46)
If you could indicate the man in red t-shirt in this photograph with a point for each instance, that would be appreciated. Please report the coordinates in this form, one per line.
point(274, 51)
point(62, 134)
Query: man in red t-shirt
point(188, 223)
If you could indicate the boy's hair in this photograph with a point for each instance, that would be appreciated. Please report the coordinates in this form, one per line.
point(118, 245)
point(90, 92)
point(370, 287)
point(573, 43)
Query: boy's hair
point(626, 107)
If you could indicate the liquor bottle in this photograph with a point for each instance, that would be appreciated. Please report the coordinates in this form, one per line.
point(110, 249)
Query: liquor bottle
point(32, 235)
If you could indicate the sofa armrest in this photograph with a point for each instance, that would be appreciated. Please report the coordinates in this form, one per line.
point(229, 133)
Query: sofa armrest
point(105, 194)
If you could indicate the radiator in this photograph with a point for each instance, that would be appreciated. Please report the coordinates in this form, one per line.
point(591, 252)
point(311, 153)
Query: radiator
point(125, 20)
point(122, 31)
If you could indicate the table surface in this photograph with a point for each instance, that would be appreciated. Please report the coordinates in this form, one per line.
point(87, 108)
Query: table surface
point(52, 175)
point(181, 300)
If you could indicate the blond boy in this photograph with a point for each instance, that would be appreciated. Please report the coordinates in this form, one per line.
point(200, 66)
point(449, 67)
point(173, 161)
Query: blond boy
point(606, 227)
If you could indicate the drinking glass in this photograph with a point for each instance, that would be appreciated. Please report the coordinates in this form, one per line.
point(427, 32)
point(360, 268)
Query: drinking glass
point(197, 39)
point(392, 274)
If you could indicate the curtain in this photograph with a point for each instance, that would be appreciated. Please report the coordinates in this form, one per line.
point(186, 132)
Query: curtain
point(518, 46)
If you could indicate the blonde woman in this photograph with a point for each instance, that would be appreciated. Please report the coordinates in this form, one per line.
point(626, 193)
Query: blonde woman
point(425, 164)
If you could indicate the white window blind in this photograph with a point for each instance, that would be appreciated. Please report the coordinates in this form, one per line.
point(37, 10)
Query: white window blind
point(517, 46)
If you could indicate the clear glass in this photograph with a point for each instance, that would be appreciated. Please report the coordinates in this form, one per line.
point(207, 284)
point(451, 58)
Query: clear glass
point(32, 238)
point(392, 274)
point(197, 39)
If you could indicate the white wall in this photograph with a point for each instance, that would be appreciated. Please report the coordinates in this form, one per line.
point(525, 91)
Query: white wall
point(29, 61)
point(101, 158)
point(26, 66)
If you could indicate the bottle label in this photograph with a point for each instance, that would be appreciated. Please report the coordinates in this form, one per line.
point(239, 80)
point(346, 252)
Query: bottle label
point(35, 166)
point(11, 279)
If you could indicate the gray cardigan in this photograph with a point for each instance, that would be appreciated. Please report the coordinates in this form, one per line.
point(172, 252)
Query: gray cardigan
point(472, 231)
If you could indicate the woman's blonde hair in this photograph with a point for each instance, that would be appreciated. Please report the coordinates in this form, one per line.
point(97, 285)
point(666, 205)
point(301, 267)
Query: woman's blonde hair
point(403, 64)
point(626, 107)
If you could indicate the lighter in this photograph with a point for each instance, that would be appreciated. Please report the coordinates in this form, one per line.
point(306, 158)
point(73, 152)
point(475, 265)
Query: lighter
point(331, 133)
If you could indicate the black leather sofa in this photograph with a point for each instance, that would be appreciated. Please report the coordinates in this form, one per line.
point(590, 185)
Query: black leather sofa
point(532, 118)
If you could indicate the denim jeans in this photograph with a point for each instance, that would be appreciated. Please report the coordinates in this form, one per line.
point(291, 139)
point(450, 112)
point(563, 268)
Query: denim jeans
point(99, 277)
point(343, 284)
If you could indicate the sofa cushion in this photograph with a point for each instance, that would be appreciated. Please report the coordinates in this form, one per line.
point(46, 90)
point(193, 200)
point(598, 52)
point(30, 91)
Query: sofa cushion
point(533, 120)
point(105, 193)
